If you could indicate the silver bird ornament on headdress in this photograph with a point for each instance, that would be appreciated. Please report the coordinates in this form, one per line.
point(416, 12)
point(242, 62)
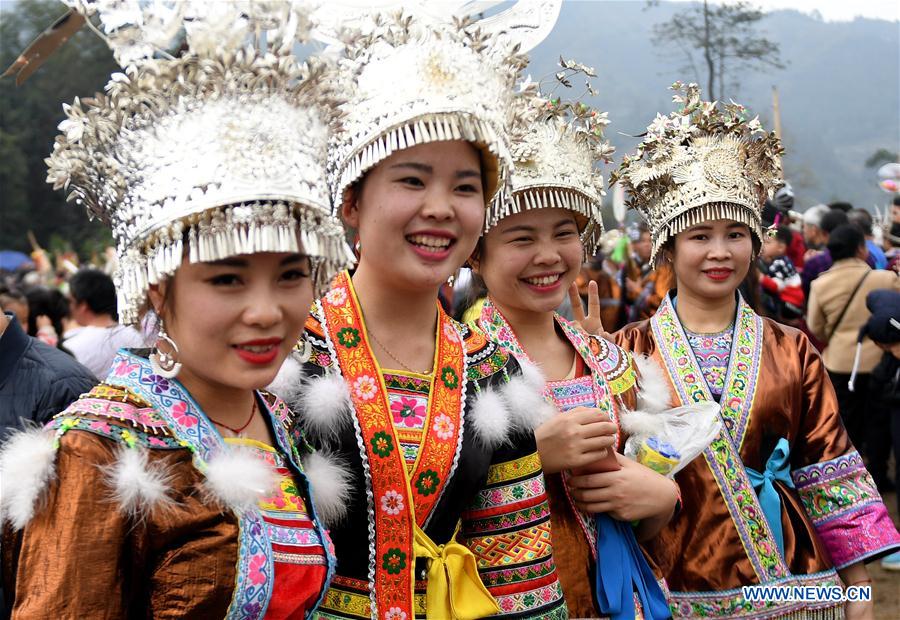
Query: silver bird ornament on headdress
point(218, 152)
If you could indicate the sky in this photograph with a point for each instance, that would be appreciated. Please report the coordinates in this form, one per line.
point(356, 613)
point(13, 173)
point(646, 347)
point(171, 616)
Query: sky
point(835, 10)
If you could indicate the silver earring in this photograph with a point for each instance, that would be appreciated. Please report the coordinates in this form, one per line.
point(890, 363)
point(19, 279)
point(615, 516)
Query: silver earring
point(165, 365)
point(302, 355)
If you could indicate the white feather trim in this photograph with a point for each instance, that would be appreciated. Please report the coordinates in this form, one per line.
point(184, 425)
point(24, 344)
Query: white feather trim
point(533, 375)
point(525, 401)
point(26, 469)
point(641, 423)
point(490, 418)
point(322, 404)
point(236, 478)
point(288, 378)
point(138, 487)
point(331, 486)
point(653, 387)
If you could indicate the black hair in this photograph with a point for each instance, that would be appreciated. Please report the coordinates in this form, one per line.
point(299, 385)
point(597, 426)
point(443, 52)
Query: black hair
point(896, 201)
point(96, 289)
point(841, 206)
point(833, 219)
point(845, 242)
point(784, 235)
point(50, 303)
point(862, 219)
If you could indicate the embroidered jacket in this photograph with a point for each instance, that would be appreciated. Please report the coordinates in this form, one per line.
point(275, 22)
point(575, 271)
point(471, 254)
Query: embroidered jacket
point(129, 504)
point(477, 473)
point(831, 514)
point(611, 386)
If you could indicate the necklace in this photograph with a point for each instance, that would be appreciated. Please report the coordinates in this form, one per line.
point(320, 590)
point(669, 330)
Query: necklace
point(238, 431)
point(395, 358)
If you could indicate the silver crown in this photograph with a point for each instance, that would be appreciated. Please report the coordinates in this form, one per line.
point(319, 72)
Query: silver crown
point(222, 149)
point(557, 146)
point(703, 162)
point(413, 81)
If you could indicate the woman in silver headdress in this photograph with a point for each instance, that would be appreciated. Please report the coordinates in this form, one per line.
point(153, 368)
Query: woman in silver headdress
point(175, 488)
point(781, 497)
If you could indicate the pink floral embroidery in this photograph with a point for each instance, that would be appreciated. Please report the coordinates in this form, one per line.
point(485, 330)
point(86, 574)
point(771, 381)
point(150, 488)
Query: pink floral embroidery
point(392, 502)
point(365, 387)
point(507, 604)
point(123, 368)
point(450, 333)
point(485, 368)
point(156, 441)
point(100, 425)
point(395, 613)
point(257, 563)
point(336, 296)
point(179, 412)
point(408, 412)
point(444, 427)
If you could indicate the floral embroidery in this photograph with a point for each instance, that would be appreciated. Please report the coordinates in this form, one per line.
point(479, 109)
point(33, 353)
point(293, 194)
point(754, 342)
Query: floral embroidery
point(348, 337)
point(382, 444)
point(427, 482)
point(393, 561)
point(408, 413)
point(450, 333)
point(443, 427)
point(365, 387)
point(257, 564)
point(159, 385)
point(395, 613)
point(392, 502)
point(179, 412)
point(449, 377)
point(336, 296)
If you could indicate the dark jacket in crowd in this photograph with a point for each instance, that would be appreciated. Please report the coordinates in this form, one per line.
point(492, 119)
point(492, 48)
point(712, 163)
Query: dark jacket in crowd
point(36, 381)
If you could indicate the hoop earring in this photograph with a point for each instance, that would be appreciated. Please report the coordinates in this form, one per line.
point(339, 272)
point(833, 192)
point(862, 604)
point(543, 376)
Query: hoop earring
point(302, 355)
point(165, 365)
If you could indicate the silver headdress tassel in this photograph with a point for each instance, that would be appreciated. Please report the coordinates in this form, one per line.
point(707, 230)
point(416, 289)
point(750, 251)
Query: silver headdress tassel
point(415, 79)
point(216, 153)
point(557, 146)
point(703, 162)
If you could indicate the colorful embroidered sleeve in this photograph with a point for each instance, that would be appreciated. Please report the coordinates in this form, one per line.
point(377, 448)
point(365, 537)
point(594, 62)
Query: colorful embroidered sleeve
point(837, 491)
point(508, 529)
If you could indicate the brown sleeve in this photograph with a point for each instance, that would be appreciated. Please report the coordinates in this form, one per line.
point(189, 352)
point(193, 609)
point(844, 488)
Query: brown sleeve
point(77, 556)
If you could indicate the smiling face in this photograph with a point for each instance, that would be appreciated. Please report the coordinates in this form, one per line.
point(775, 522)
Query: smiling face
point(528, 260)
point(419, 214)
point(236, 320)
point(711, 259)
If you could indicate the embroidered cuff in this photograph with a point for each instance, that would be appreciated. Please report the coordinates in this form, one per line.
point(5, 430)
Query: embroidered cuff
point(846, 509)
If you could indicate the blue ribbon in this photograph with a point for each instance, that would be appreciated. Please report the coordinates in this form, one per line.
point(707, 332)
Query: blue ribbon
point(622, 570)
point(778, 467)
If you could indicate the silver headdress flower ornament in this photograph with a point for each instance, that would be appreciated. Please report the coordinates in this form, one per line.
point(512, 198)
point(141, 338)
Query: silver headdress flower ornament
point(216, 153)
point(557, 146)
point(413, 78)
point(703, 162)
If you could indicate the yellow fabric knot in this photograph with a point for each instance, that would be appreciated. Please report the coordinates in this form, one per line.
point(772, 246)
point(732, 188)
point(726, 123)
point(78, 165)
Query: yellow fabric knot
point(455, 590)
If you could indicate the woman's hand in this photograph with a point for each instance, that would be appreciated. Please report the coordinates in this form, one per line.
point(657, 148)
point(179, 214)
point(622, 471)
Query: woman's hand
point(592, 323)
point(631, 493)
point(574, 439)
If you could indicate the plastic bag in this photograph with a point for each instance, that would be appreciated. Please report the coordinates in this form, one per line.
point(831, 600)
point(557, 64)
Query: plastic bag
point(668, 440)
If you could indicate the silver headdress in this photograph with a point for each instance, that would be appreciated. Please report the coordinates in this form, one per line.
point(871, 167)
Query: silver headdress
point(557, 146)
point(703, 162)
point(414, 79)
point(216, 153)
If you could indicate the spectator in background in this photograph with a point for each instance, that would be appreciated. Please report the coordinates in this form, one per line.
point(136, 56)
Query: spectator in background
point(821, 261)
point(844, 207)
point(862, 219)
point(14, 301)
point(782, 293)
point(883, 328)
point(837, 311)
point(47, 308)
point(93, 306)
point(779, 210)
point(813, 235)
point(36, 381)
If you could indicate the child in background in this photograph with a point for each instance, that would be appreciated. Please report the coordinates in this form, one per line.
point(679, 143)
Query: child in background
point(783, 297)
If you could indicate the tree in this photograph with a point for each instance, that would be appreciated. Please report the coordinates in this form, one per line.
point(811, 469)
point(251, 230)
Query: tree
point(723, 39)
point(29, 115)
point(882, 156)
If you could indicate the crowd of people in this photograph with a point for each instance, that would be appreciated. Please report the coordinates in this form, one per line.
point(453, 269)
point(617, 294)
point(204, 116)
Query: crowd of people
point(244, 415)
